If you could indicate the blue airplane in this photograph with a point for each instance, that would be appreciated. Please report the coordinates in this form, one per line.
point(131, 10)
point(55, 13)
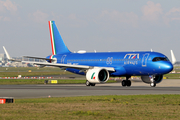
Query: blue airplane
point(99, 66)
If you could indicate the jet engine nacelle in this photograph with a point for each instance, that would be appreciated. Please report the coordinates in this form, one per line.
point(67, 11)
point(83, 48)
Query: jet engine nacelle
point(97, 75)
point(156, 78)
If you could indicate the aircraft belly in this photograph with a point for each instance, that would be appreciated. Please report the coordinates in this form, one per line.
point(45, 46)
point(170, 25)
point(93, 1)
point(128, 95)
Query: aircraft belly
point(119, 71)
point(137, 70)
point(76, 71)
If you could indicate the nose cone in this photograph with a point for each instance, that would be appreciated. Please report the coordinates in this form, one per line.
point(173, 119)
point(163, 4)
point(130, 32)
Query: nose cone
point(167, 67)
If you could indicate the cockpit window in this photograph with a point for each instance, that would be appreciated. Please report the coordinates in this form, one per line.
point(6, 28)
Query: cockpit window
point(160, 59)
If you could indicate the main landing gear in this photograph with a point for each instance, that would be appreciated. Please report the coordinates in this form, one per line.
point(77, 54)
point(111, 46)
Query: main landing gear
point(89, 84)
point(126, 82)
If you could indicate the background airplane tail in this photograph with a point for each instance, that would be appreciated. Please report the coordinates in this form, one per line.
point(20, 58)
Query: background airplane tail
point(57, 43)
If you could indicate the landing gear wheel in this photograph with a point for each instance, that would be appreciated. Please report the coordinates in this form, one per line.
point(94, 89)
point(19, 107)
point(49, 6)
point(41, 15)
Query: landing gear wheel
point(93, 84)
point(128, 83)
point(153, 84)
point(88, 83)
point(123, 83)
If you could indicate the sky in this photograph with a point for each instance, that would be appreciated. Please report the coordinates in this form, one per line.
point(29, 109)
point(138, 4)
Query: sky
point(101, 25)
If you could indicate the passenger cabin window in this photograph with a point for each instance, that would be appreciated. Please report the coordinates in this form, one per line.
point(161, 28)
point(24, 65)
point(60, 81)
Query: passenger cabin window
point(160, 59)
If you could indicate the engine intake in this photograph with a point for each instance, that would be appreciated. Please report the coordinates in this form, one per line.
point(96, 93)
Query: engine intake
point(97, 75)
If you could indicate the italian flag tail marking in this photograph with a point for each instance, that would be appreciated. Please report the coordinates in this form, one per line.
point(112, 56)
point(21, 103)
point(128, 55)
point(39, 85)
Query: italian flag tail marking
point(52, 37)
point(51, 57)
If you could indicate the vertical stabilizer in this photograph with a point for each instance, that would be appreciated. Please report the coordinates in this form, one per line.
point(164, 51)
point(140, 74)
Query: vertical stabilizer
point(57, 43)
point(173, 57)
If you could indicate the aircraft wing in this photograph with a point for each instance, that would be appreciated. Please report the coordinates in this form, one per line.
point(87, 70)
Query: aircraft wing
point(80, 67)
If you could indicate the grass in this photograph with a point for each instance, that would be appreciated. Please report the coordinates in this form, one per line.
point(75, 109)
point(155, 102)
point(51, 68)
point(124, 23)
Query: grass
point(173, 76)
point(41, 81)
point(14, 72)
point(112, 107)
point(30, 71)
point(24, 74)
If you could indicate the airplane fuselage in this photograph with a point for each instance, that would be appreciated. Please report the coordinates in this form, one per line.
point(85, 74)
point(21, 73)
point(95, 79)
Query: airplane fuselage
point(125, 63)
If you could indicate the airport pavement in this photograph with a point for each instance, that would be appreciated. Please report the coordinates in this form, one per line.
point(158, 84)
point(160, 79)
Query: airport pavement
point(169, 86)
point(163, 83)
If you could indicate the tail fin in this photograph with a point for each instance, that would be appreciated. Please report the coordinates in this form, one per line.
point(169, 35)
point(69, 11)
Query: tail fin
point(58, 46)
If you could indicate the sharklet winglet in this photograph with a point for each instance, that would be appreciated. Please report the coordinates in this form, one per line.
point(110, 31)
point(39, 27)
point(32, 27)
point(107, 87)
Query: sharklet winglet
point(173, 57)
point(7, 54)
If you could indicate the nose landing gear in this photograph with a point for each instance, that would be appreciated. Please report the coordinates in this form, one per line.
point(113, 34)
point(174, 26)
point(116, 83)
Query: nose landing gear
point(153, 82)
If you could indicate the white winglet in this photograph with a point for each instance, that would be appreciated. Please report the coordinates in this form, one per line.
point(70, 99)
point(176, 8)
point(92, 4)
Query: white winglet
point(7, 54)
point(173, 57)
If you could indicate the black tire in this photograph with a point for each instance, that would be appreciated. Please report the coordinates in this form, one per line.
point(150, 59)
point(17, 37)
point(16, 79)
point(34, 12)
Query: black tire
point(123, 83)
point(93, 84)
point(128, 82)
point(88, 83)
point(153, 84)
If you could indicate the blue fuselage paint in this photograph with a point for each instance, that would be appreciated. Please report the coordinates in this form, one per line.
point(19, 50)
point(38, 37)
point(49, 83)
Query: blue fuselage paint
point(124, 63)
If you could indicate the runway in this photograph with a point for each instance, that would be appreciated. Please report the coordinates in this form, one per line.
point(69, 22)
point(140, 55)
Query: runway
point(69, 90)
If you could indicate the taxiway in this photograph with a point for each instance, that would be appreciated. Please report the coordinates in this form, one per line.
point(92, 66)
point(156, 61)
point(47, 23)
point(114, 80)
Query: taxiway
point(69, 90)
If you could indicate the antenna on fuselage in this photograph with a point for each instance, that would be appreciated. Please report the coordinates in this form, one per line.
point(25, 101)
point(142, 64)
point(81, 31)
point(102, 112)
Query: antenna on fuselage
point(151, 50)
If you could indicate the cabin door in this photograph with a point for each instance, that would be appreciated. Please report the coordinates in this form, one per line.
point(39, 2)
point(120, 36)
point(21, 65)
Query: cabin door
point(63, 58)
point(144, 59)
